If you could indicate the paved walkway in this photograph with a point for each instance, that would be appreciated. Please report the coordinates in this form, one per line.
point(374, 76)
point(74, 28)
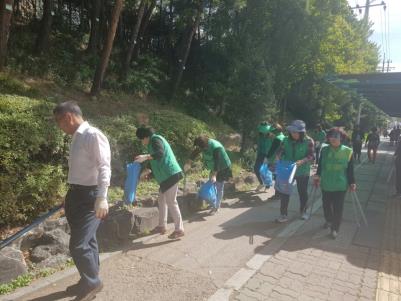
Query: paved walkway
point(241, 254)
point(362, 264)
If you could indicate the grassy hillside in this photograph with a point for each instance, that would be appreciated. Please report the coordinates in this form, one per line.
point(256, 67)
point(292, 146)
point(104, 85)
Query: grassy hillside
point(33, 151)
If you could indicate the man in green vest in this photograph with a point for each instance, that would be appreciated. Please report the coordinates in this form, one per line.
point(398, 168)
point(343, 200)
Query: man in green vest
point(215, 158)
point(264, 144)
point(335, 174)
point(297, 148)
point(167, 172)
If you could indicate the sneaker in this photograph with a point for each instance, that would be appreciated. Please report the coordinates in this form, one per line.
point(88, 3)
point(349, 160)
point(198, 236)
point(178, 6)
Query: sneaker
point(305, 216)
point(213, 211)
point(176, 234)
point(282, 219)
point(159, 230)
point(326, 225)
point(260, 187)
point(334, 234)
point(89, 294)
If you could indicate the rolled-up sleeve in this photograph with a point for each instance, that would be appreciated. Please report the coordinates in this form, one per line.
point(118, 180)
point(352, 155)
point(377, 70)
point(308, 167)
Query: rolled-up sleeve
point(100, 149)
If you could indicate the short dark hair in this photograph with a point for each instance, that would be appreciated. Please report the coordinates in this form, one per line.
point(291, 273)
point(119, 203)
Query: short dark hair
point(201, 141)
point(144, 132)
point(67, 107)
point(338, 130)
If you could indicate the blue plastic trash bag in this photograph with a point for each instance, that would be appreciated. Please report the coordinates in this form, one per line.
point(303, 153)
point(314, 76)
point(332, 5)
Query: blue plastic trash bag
point(285, 172)
point(266, 175)
point(283, 186)
point(131, 182)
point(208, 192)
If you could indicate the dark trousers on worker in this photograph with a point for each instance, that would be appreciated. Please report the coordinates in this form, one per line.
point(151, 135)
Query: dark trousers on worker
point(372, 153)
point(317, 154)
point(333, 204)
point(302, 186)
point(79, 210)
point(357, 150)
point(398, 177)
point(258, 163)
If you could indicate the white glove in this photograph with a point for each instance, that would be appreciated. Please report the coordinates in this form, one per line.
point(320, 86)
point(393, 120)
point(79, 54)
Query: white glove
point(101, 207)
point(141, 158)
point(213, 178)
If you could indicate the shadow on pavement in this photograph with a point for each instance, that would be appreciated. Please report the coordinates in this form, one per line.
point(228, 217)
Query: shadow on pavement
point(51, 297)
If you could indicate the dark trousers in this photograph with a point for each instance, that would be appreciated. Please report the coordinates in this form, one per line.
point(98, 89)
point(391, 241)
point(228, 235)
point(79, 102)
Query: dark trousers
point(258, 163)
point(333, 204)
point(317, 154)
point(79, 210)
point(302, 186)
point(357, 150)
point(372, 152)
point(398, 178)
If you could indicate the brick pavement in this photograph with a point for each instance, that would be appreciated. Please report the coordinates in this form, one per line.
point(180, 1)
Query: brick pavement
point(311, 266)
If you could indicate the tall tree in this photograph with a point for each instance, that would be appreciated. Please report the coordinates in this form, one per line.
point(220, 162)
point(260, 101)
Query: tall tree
point(42, 40)
point(95, 26)
point(6, 7)
point(108, 45)
point(133, 39)
point(187, 45)
point(144, 26)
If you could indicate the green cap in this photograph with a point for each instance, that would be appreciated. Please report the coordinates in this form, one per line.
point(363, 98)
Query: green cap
point(264, 128)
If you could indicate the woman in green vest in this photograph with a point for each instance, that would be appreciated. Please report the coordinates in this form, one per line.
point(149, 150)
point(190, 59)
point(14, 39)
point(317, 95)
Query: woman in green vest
point(263, 146)
point(217, 161)
point(297, 148)
point(167, 172)
point(335, 174)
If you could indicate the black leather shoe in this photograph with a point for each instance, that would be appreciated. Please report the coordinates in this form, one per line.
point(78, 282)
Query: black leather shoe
point(73, 290)
point(89, 294)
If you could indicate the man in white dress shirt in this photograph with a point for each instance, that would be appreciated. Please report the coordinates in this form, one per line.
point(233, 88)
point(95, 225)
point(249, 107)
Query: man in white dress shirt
point(86, 200)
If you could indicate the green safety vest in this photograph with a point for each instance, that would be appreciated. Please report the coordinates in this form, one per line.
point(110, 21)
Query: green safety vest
point(208, 156)
point(280, 137)
point(264, 144)
point(166, 166)
point(294, 151)
point(334, 168)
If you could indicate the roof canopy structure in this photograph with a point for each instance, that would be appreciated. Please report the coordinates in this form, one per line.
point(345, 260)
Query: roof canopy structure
point(383, 89)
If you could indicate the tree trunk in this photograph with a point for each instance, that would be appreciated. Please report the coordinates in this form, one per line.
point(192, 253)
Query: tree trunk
point(133, 39)
point(187, 47)
point(95, 26)
point(143, 28)
point(42, 41)
point(5, 21)
point(108, 45)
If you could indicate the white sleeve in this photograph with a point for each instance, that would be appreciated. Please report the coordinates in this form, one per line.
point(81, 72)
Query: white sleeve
point(100, 148)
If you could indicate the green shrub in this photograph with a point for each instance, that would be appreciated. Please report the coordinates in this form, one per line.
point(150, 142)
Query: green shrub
point(9, 85)
point(31, 152)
